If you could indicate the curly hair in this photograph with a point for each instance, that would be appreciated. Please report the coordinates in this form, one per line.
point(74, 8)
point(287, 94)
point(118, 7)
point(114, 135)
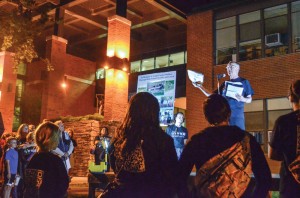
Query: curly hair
point(142, 115)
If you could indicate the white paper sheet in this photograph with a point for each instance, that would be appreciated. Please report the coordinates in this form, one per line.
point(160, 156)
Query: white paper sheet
point(233, 88)
point(196, 77)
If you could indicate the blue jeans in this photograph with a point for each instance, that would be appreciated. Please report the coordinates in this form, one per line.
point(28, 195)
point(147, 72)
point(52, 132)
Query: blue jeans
point(237, 121)
point(178, 152)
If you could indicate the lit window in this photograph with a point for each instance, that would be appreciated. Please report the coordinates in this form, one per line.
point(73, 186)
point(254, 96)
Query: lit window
point(162, 61)
point(135, 66)
point(177, 59)
point(147, 64)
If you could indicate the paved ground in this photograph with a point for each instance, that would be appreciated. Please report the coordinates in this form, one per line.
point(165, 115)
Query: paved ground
point(79, 188)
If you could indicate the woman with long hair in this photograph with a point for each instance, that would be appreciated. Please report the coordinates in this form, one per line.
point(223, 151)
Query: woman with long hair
point(141, 153)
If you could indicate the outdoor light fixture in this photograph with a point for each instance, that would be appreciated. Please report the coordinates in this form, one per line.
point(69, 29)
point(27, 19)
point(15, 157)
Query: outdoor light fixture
point(64, 83)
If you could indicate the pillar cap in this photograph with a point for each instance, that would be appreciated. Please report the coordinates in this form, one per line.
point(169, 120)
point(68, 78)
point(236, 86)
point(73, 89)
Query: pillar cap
point(57, 38)
point(119, 18)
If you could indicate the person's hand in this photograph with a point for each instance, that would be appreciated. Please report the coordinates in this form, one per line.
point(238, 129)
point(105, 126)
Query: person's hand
point(197, 85)
point(8, 175)
point(240, 98)
point(66, 155)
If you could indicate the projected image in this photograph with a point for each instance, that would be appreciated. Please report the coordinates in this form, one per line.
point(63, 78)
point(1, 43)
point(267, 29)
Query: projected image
point(166, 116)
point(162, 86)
point(165, 101)
point(156, 88)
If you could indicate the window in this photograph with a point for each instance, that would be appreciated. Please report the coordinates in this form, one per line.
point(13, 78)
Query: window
point(176, 59)
point(135, 66)
point(254, 117)
point(17, 119)
point(162, 61)
point(147, 64)
point(276, 30)
point(296, 26)
point(225, 40)
point(100, 73)
point(21, 69)
point(250, 36)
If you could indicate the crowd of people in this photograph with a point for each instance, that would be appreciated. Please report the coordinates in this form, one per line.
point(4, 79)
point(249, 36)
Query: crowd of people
point(36, 153)
point(149, 162)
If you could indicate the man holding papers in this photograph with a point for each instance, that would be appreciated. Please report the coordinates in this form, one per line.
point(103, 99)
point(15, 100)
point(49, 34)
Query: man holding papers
point(237, 91)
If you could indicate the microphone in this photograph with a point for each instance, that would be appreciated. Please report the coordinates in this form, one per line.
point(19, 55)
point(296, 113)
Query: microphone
point(219, 76)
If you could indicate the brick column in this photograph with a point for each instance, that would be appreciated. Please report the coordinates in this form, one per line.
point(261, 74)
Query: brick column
point(199, 59)
point(53, 94)
point(116, 81)
point(8, 81)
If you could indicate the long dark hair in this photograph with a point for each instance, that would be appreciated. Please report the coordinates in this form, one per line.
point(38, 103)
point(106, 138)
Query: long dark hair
point(142, 115)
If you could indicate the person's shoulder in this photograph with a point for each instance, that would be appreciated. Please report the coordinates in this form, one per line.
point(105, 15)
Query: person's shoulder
point(286, 118)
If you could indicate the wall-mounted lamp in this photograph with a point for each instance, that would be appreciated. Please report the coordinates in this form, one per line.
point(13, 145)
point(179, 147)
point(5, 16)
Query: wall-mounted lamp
point(64, 83)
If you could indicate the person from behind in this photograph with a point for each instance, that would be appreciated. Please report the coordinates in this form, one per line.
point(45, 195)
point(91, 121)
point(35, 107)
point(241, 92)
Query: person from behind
point(10, 168)
point(46, 175)
point(283, 143)
point(179, 133)
point(142, 155)
point(216, 139)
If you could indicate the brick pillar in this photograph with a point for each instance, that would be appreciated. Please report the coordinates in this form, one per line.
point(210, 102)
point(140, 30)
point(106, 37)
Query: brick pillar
point(116, 81)
point(8, 81)
point(199, 59)
point(53, 93)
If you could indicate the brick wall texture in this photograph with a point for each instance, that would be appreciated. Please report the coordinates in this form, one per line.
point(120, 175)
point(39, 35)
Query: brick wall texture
point(44, 96)
point(8, 90)
point(270, 77)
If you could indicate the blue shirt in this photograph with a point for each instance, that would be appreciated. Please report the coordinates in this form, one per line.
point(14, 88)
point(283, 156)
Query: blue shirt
point(12, 155)
point(179, 134)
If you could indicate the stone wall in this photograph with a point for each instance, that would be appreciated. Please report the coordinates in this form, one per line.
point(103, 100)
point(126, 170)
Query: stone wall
point(84, 134)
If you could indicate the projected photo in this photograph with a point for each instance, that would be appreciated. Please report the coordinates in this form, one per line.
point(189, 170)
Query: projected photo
point(162, 86)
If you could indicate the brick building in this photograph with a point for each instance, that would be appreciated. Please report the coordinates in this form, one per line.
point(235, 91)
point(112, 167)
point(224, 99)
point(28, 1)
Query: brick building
point(262, 36)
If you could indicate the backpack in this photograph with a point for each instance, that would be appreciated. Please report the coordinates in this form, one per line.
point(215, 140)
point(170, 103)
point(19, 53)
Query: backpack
point(294, 167)
point(227, 174)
